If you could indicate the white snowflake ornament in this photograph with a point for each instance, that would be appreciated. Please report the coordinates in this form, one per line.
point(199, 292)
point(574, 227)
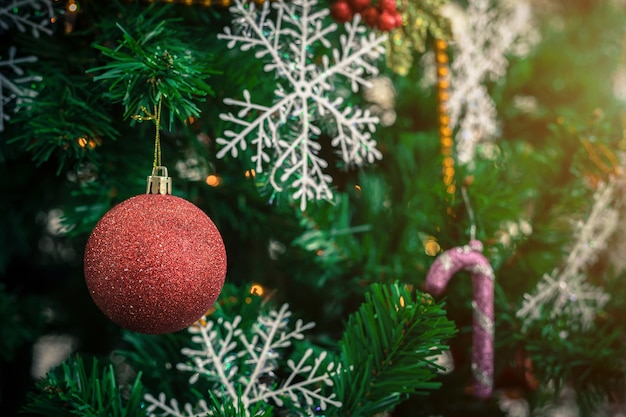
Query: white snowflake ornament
point(307, 102)
point(565, 291)
point(241, 363)
point(33, 15)
point(14, 83)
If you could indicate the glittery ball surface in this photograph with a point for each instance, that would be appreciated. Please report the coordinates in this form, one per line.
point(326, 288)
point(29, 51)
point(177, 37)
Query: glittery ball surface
point(155, 263)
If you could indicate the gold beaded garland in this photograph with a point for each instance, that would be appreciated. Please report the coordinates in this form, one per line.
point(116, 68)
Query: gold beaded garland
point(445, 132)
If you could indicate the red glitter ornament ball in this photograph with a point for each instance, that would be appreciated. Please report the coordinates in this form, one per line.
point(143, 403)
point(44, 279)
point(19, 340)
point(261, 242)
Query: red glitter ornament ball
point(155, 263)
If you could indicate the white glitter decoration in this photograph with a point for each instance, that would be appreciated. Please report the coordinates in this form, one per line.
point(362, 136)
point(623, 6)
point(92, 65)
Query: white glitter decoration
point(307, 100)
point(223, 347)
point(565, 291)
point(483, 35)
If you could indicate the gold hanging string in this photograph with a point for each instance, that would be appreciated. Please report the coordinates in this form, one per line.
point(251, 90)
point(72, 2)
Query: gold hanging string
point(156, 117)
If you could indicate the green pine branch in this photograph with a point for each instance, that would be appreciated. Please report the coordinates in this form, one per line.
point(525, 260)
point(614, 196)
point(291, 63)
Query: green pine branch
point(73, 389)
point(221, 407)
point(65, 121)
point(156, 64)
point(388, 350)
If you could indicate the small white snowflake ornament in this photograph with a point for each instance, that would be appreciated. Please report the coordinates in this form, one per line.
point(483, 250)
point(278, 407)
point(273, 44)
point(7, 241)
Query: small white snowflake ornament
point(307, 102)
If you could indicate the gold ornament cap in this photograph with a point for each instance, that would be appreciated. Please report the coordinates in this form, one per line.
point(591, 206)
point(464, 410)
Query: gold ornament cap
point(159, 184)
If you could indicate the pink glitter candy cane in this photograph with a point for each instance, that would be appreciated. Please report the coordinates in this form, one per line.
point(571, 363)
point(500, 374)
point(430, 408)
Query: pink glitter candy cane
point(470, 258)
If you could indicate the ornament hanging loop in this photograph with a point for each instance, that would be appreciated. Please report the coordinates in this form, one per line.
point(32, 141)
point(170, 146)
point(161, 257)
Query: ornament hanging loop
point(159, 184)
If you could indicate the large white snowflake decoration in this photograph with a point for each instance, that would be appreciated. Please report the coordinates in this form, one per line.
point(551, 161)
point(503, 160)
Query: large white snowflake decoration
point(224, 348)
point(565, 292)
point(14, 84)
point(35, 15)
point(306, 98)
point(483, 35)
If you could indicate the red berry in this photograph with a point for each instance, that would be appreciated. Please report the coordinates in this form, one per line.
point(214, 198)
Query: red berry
point(341, 11)
point(387, 6)
point(359, 5)
point(386, 21)
point(370, 16)
point(398, 17)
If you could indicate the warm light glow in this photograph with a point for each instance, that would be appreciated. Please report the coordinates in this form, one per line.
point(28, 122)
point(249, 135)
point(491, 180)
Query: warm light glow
point(402, 303)
point(257, 289)
point(431, 246)
point(213, 180)
point(250, 173)
point(82, 142)
point(443, 84)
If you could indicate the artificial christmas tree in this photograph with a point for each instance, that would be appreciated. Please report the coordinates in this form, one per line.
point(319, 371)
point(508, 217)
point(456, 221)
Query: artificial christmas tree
point(346, 166)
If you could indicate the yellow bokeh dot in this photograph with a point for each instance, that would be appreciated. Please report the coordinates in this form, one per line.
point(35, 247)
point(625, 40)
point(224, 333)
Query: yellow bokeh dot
point(431, 247)
point(213, 180)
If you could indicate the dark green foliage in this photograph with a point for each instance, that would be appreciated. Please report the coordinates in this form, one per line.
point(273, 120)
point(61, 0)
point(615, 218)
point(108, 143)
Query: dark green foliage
point(583, 360)
point(22, 322)
point(65, 123)
point(77, 389)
